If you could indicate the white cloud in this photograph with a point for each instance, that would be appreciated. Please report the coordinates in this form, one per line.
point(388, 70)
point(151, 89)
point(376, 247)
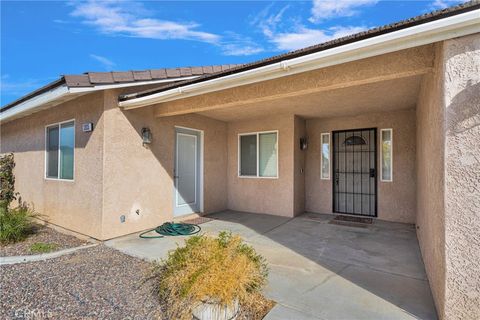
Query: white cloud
point(442, 4)
point(326, 9)
point(240, 50)
point(268, 23)
point(19, 87)
point(238, 45)
point(294, 34)
point(131, 19)
point(304, 37)
point(107, 63)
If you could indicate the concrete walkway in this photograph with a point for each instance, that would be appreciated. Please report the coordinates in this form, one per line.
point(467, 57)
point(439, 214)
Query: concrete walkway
point(323, 271)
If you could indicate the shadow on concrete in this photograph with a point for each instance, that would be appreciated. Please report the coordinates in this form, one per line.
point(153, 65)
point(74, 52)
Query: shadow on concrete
point(384, 259)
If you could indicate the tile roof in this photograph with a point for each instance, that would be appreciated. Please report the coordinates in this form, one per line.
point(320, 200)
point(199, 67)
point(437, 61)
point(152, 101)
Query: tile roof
point(91, 79)
point(421, 19)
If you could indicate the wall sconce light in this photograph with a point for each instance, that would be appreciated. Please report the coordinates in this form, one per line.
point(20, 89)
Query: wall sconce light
point(303, 143)
point(146, 136)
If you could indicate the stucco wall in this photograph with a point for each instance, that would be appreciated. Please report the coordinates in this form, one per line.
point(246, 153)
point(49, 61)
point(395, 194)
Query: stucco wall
point(396, 200)
point(75, 205)
point(140, 178)
point(430, 178)
point(260, 195)
point(462, 177)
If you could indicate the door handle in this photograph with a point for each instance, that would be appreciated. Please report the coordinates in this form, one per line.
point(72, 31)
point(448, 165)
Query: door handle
point(176, 177)
point(372, 173)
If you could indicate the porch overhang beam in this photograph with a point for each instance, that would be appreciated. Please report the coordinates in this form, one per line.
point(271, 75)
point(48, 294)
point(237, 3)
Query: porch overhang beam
point(180, 107)
point(423, 34)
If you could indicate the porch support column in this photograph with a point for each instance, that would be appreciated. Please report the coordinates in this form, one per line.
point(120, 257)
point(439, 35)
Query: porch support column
point(462, 177)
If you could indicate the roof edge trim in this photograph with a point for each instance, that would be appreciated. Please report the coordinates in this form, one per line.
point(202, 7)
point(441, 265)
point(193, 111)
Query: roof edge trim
point(34, 103)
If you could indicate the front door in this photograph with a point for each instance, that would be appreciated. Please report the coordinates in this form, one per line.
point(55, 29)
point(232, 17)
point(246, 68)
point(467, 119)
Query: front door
point(355, 170)
point(187, 171)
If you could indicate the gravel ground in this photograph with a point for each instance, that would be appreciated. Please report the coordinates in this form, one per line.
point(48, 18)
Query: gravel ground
point(93, 283)
point(42, 234)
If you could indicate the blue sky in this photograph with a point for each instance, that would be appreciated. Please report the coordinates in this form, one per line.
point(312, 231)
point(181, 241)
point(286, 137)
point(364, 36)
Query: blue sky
point(42, 40)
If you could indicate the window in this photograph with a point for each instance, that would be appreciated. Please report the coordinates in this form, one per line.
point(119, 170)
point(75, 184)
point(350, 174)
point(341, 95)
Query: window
point(325, 156)
point(258, 154)
point(387, 154)
point(354, 141)
point(60, 145)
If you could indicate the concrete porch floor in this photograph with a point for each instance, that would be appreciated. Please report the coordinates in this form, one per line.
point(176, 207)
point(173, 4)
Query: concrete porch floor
point(320, 270)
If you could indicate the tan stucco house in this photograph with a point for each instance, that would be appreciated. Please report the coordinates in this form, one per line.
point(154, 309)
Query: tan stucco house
point(383, 124)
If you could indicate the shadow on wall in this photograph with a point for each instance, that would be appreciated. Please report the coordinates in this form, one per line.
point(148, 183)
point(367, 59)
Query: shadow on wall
point(463, 113)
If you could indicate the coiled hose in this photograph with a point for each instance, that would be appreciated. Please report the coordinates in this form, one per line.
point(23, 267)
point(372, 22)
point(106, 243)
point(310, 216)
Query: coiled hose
point(172, 229)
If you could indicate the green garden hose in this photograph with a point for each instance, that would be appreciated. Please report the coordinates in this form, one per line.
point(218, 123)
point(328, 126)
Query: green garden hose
point(172, 229)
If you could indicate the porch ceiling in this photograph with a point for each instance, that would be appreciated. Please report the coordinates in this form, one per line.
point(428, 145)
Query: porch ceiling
point(374, 97)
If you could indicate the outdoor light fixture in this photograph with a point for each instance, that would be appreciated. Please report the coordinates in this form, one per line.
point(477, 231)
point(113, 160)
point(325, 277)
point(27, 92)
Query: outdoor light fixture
point(146, 136)
point(303, 143)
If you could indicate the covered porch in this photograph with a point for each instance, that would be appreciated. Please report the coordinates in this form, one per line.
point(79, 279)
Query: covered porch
point(311, 116)
point(320, 270)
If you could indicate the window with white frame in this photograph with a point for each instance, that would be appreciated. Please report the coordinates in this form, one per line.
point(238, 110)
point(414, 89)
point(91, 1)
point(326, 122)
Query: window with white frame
point(258, 154)
point(386, 139)
point(325, 156)
point(60, 146)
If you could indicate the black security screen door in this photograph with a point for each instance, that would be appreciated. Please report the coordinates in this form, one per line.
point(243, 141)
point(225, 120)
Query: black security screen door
point(355, 171)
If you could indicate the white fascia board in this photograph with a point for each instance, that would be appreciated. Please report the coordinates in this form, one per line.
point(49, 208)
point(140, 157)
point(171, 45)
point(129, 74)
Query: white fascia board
point(426, 33)
point(36, 102)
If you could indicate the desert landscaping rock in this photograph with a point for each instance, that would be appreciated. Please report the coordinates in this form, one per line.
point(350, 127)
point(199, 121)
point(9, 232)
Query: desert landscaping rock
point(94, 283)
point(43, 234)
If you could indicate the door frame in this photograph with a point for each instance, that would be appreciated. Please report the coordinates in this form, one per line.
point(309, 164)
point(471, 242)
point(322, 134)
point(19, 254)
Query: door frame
point(376, 171)
point(200, 166)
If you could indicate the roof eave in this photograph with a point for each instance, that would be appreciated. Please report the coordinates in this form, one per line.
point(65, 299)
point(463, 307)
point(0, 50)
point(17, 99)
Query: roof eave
point(430, 32)
point(58, 92)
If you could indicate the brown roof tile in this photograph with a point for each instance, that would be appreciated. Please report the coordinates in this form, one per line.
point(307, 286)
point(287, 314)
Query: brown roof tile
point(158, 73)
point(126, 76)
point(173, 73)
point(196, 71)
point(217, 68)
point(142, 75)
point(185, 72)
point(100, 77)
point(80, 80)
point(207, 69)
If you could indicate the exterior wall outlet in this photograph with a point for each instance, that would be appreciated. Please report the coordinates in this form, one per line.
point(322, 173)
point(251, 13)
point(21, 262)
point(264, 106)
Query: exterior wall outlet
point(122, 218)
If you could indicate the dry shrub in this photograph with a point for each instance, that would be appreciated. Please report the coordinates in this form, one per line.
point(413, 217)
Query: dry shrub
point(221, 270)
